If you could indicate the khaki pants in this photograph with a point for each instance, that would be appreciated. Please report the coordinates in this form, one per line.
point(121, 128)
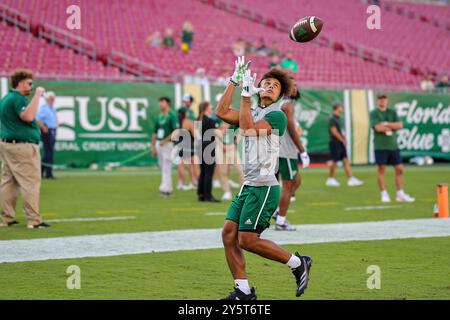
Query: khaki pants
point(21, 172)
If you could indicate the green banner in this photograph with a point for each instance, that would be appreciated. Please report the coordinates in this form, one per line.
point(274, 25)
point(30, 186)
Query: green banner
point(111, 123)
point(426, 121)
point(105, 123)
point(313, 112)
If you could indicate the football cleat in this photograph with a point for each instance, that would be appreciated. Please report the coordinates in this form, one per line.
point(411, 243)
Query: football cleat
point(301, 274)
point(284, 227)
point(239, 295)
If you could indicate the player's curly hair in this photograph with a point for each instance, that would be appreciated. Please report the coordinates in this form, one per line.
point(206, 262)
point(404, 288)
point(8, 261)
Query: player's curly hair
point(282, 76)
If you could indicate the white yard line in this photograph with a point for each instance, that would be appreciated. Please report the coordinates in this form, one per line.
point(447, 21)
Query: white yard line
point(371, 208)
point(165, 241)
point(213, 214)
point(91, 219)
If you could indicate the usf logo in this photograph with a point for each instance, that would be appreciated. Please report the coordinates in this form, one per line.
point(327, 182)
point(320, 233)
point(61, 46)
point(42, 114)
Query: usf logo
point(100, 118)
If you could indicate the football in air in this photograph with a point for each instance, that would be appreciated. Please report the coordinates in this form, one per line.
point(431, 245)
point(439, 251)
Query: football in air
point(306, 29)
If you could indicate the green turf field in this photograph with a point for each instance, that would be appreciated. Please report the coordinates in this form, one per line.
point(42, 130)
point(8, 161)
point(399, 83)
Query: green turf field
point(410, 268)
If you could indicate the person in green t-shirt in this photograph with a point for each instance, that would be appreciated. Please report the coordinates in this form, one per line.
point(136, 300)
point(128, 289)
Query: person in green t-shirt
point(165, 125)
point(385, 124)
point(338, 149)
point(168, 40)
point(19, 151)
point(289, 63)
point(261, 123)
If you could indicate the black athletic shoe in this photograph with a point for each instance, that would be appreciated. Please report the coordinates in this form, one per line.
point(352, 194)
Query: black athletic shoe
point(212, 199)
point(301, 274)
point(9, 224)
point(239, 295)
point(41, 225)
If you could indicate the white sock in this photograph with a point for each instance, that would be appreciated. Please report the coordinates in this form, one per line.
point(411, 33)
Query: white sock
point(281, 220)
point(242, 284)
point(294, 262)
point(400, 192)
point(384, 192)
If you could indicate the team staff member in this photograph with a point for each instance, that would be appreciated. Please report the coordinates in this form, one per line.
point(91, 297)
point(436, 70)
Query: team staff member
point(48, 122)
point(208, 160)
point(165, 125)
point(385, 123)
point(19, 151)
point(338, 149)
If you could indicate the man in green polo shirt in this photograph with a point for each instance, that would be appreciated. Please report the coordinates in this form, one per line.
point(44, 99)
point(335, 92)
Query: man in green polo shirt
point(19, 151)
point(186, 106)
point(385, 123)
point(165, 125)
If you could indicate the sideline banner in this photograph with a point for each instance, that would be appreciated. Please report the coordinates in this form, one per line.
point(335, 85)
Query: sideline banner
point(111, 123)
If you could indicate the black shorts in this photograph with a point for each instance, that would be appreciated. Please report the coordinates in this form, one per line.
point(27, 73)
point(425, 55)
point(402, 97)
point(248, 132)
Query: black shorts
point(186, 153)
point(337, 150)
point(391, 157)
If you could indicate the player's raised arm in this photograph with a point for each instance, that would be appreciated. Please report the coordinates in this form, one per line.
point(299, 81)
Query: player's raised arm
point(224, 110)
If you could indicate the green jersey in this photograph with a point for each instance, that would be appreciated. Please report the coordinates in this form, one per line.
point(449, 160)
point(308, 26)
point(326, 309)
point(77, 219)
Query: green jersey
point(384, 141)
point(12, 127)
point(261, 152)
point(165, 124)
point(191, 115)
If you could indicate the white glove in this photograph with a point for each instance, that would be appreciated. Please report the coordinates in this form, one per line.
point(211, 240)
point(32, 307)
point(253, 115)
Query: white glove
point(239, 70)
point(305, 159)
point(248, 85)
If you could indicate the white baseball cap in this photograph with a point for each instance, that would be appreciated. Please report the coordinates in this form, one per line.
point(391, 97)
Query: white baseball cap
point(188, 97)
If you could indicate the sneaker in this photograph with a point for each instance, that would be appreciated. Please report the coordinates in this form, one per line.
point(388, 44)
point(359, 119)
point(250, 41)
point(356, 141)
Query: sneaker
point(284, 227)
point(187, 187)
point(227, 196)
point(239, 295)
point(233, 184)
point(9, 224)
point(332, 182)
point(179, 186)
point(301, 274)
point(353, 182)
point(216, 184)
point(41, 225)
point(293, 199)
point(404, 198)
point(211, 199)
point(385, 197)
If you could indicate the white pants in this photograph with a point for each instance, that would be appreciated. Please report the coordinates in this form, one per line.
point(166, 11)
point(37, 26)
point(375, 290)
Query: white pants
point(165, 163)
